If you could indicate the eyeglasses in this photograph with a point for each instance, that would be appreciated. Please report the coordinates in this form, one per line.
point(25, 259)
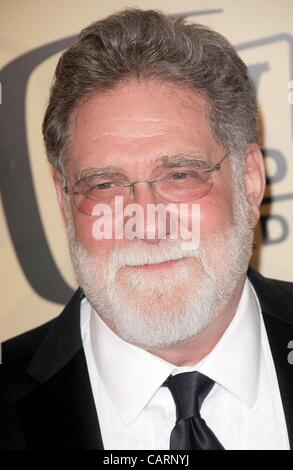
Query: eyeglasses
point(173, 183)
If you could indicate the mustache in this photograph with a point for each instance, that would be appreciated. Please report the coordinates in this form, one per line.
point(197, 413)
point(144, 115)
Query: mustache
point(138, 254)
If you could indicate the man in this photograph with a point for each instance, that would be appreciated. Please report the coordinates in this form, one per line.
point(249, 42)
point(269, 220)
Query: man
point(166, 344)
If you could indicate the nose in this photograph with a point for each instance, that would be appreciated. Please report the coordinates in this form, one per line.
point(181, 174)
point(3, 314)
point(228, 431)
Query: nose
point(143, 193)
point(150, 224)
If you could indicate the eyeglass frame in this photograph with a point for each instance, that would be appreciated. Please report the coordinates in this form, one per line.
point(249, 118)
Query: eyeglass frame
point(216, 166)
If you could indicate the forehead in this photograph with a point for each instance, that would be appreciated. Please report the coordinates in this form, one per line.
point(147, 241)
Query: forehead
point(139, 121)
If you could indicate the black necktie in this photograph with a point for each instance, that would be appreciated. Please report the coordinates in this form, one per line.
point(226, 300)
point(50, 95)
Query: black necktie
point(189, 390)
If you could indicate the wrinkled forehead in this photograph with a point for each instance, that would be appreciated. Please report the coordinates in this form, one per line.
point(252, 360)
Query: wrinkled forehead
point(139, 109)
point(142, 120)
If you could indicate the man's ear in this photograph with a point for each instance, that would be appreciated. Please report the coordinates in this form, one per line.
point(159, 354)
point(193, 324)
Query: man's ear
point(255, 179)
point(59, 185)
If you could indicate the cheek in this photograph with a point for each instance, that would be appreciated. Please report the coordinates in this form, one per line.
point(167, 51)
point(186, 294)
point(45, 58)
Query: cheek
point(216, 214)
point(85, 232)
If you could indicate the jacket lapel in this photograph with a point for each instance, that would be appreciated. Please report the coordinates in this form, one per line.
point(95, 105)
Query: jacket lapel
point(277, 308)
point(60, 412)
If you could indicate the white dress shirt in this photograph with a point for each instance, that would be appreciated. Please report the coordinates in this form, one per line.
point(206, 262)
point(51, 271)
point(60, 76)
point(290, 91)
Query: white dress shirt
point(244, 408)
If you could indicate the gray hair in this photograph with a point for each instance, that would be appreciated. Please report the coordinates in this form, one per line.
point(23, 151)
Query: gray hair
point(146, 44)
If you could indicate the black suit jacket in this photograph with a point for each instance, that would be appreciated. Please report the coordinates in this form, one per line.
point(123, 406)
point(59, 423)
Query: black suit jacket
point(46, 401)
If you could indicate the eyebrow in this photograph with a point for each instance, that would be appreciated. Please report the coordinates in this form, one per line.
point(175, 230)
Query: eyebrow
point(180, 160)
point(96, 171)
point(168, 161)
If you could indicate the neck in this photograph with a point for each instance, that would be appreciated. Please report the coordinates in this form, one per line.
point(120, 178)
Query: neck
point(196, 348)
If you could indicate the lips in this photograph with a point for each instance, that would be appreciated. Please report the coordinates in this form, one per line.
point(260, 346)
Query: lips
point(165, 264)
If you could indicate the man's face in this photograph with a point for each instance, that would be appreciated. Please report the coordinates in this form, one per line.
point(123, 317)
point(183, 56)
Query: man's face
point(131, 127)
point(132, 284)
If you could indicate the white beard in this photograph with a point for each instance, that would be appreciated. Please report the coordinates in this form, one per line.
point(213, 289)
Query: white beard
point(159, 311)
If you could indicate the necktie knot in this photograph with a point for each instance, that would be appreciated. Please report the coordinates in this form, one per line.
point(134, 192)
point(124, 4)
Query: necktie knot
point(189, 389)
point(191, 432)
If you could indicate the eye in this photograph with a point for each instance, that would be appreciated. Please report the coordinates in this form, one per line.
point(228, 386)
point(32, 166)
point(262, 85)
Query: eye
point(186, 177)
point(106, 185)
point(179, 176)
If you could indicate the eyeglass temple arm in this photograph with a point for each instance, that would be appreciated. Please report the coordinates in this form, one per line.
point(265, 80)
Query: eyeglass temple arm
point(217, 166)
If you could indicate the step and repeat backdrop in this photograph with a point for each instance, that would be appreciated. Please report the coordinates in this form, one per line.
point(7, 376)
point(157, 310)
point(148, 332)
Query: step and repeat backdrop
point(36, 274)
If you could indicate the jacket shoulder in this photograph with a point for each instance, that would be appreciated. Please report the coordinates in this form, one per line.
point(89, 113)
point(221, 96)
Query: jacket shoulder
point(15, 383)
point(18, 354)
point(21, 348)
point(275, 296)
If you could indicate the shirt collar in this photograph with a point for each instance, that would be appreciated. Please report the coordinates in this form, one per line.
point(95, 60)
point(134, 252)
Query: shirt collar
point(132, 375)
